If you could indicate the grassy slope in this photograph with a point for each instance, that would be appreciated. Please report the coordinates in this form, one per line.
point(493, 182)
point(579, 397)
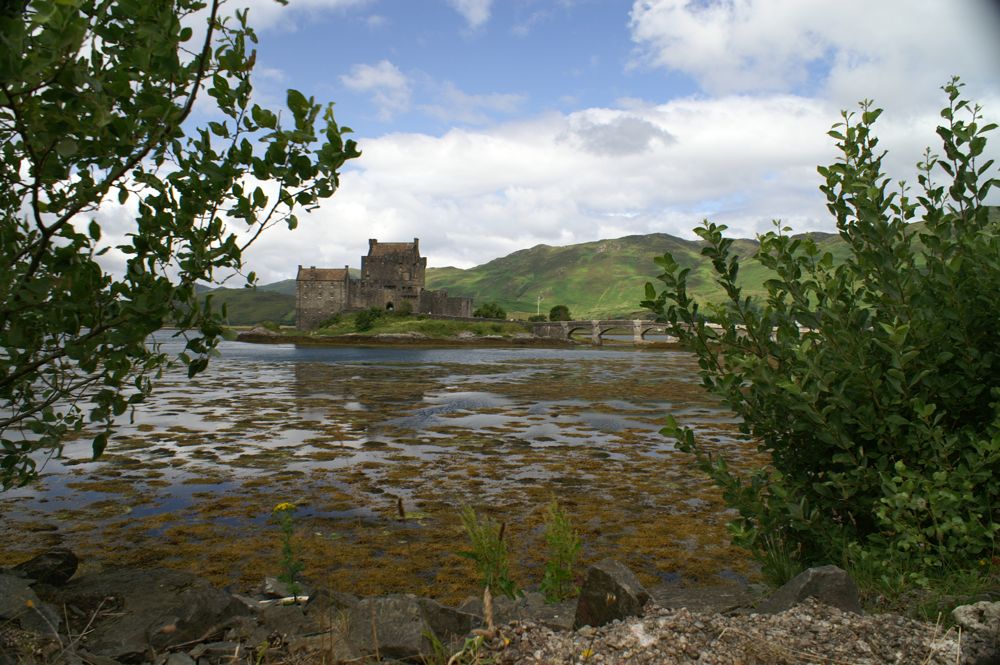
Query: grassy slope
point(600, 279)
point(248, 306)
point(429, 327)
point(596, 279)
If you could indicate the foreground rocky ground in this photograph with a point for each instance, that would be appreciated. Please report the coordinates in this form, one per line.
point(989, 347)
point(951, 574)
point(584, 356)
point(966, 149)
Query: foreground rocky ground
point(50, 615)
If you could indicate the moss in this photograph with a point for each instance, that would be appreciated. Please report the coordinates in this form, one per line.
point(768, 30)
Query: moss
point(346, 459)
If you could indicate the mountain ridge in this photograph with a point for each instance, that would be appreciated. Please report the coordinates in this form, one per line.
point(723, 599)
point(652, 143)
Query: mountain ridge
point(595, 279)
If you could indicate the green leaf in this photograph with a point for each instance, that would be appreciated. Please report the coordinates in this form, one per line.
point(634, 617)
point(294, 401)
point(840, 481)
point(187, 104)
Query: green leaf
point(66, 147)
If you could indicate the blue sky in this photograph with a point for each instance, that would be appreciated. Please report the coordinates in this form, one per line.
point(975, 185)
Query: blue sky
point(528, 57)
point(489, 126)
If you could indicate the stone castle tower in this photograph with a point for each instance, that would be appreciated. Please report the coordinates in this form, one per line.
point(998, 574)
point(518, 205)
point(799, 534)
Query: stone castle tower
point(392, 278)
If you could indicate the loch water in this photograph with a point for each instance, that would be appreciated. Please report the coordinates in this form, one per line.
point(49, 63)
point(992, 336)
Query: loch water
point(379, 447)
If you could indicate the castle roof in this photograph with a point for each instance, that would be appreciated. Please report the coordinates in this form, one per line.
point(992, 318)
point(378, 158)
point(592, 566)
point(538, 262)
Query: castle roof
point(322, 274)
point(387, 248)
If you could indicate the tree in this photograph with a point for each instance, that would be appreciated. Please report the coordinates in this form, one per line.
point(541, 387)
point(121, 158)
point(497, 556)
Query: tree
point(872, 384)
point(95, 99)
point(560, 313)
point(490, 310)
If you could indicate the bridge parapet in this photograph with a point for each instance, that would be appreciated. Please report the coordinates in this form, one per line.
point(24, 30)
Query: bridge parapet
point(597, 328)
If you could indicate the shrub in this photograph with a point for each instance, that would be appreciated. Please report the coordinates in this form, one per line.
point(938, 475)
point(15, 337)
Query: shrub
point(331, 321)
point(538, 318)
point(871, 383)
point(366, 318)
point(560, 313)
point(490, 310)
point(270, 325)
point(489, 552)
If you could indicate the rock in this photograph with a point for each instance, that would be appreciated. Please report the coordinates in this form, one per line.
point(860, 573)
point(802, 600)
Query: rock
point(94, 659)
point(324, 609)
point(19, 603)
point(179, 659)
point(141, 609)
point(610, 592)
point(228, 651)
point(263, 332)
point(829, 585)
point(445, 622)
point(275, 588)
point(54, 567)
point(530, 607)
point(717, 599)
point(400, 626)
point(980, 623)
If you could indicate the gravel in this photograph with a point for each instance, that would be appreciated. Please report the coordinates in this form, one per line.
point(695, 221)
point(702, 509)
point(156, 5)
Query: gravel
point(808, 633)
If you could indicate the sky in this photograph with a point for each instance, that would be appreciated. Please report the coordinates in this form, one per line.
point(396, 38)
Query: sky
point(489, 126)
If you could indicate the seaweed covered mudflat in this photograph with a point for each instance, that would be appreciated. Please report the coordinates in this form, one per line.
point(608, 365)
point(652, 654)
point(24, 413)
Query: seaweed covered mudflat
point(378, 449)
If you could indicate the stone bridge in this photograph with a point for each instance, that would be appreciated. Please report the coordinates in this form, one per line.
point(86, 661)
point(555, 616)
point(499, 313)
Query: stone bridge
point(596, 329)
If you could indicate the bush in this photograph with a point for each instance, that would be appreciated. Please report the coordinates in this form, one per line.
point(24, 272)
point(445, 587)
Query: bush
point(489, 552)
point(538, 318)
point(366, 318)
point(872, 383)
point(560, 313)
point(273, 326)
point(490, 310)
point(331, 321)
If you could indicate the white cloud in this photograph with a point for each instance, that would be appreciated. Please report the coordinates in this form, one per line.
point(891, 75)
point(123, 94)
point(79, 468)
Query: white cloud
point(475, 12)
point(454, 105)
point(891, 50)
point(620, 135)
point(472, 195)
point(266, 14)
point(389, 87)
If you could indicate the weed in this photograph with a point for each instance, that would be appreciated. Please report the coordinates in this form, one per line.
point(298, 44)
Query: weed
point(290, 565)
point(563, 548)
point(778, 563)
point(489, 552)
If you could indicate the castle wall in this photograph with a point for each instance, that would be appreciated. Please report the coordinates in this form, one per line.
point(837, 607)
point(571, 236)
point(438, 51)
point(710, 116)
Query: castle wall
point(316, 301)
point(394, 265)
point(392, 278)
point(438, 302)
point(365, 295)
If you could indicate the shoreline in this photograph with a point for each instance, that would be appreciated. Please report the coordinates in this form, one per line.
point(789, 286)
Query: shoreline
point(254, 336)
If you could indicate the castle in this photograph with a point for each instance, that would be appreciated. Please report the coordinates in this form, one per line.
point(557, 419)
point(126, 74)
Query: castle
point(392, 278)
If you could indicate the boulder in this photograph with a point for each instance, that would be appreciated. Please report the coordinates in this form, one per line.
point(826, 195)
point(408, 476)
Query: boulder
point(401, 626)
point(319, 615)
point(980, 624)
point(829, 585)
point(722, 599)
point(54, 567)
point(20, 604)
point(610, 592)
point(532, 606)
point(142, 609)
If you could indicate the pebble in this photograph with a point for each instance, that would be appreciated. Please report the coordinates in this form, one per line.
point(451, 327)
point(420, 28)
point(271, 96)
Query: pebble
point(808, 633)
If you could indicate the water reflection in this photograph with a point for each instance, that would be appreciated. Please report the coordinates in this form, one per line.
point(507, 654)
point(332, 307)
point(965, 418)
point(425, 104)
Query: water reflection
point(353, 434)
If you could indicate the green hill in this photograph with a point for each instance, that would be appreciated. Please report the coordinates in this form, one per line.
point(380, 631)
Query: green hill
point(601, 279)
point(598, 279)
point(248, 306)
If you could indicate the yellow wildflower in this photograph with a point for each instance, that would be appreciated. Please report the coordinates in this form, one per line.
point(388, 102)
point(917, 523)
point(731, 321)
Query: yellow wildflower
point(284, 505)
point(587, 653)
point(29, 602)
